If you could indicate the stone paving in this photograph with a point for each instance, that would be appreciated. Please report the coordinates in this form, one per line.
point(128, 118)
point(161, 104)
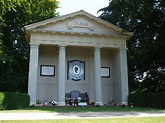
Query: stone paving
point(76, 115)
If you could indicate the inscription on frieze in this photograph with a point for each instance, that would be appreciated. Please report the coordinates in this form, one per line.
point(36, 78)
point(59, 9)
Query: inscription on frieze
point(80, 24)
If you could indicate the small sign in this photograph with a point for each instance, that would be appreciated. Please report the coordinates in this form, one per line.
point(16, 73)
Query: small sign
point(47, 70)
point(105, 72)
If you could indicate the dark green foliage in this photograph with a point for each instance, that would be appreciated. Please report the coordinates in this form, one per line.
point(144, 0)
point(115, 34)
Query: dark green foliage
point(11, 100)
point(148, 100)
point(14, 49)
point(146, 49)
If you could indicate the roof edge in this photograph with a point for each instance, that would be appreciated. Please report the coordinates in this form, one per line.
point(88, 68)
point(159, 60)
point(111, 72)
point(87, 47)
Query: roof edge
point(71, 15)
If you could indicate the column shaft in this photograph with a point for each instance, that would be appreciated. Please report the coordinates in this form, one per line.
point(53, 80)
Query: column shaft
point(97, 69)
point(33, 72)
point(123, 96)
point(61, 76)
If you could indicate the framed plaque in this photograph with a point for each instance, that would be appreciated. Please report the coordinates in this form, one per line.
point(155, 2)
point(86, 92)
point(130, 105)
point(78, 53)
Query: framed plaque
point(76, 70)
point(105, 72)
point(47, 70)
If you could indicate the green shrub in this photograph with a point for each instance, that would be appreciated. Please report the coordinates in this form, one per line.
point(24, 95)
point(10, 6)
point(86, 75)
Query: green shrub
point(151, 100)
point(11, 100)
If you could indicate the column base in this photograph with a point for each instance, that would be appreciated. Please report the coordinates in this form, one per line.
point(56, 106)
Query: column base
point(123, 103)
point(61, 104)
point(99, 103)
point(32, 103)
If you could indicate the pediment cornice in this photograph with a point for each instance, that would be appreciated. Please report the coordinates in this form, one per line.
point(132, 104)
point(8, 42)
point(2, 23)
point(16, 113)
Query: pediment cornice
point(79, 23)
point(71, 15)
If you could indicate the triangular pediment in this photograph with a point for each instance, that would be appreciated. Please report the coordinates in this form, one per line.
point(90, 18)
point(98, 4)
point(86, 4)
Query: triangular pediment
point(77, 22)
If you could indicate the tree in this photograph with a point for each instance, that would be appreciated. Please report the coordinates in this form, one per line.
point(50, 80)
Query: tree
point(14, 50)
point(146, 49)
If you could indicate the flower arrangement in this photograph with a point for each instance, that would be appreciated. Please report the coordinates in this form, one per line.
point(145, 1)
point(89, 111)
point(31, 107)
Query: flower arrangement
point(45, 103)
point(92, 103)
point(38, 101)
point(53, 103)
point(111, 102)
point(79, 99)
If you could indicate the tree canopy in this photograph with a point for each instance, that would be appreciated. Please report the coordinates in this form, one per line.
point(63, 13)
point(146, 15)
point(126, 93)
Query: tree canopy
point(14, 50)
point(146, 49)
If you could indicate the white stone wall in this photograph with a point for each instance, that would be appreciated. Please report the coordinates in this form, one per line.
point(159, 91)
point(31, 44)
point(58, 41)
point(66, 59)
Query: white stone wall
point(47, 86)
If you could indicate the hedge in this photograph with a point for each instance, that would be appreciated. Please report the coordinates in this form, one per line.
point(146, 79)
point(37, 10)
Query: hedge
point(149, 100)
point(12, 100)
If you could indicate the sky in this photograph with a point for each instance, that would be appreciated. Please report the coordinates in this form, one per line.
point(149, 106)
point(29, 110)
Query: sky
point(90, 6)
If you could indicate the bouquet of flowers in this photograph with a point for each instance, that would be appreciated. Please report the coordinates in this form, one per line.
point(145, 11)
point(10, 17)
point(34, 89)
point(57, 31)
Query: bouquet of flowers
point(53, 103)
point(38, 101)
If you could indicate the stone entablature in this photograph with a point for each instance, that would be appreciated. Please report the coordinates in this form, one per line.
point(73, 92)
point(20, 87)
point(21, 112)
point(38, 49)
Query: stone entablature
point(79, 40)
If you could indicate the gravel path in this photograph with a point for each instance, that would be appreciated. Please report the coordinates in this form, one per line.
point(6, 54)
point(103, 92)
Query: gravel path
point(75, 115)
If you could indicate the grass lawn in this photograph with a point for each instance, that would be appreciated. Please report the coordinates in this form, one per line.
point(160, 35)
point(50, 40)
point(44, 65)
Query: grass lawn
point(113, 120)
point(81, 109)
point(88, 109)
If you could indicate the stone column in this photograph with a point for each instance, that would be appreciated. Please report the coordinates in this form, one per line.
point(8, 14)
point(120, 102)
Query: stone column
point(33, 72)
point(61, 76)
point(123, 83)
point(97, 75)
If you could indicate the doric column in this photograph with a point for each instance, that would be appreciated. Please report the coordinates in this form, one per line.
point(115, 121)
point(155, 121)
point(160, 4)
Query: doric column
point(97, 75)
point(33, 72)
point(61, 76)
point(123, 92)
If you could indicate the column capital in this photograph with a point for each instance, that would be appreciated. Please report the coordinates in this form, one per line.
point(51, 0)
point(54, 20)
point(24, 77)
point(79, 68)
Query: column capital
point(34, 44)
point(97, 47)
point(62, 45)
point(123, 48)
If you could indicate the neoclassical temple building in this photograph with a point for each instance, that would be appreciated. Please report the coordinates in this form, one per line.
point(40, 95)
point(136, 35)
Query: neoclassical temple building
point(77, 51)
